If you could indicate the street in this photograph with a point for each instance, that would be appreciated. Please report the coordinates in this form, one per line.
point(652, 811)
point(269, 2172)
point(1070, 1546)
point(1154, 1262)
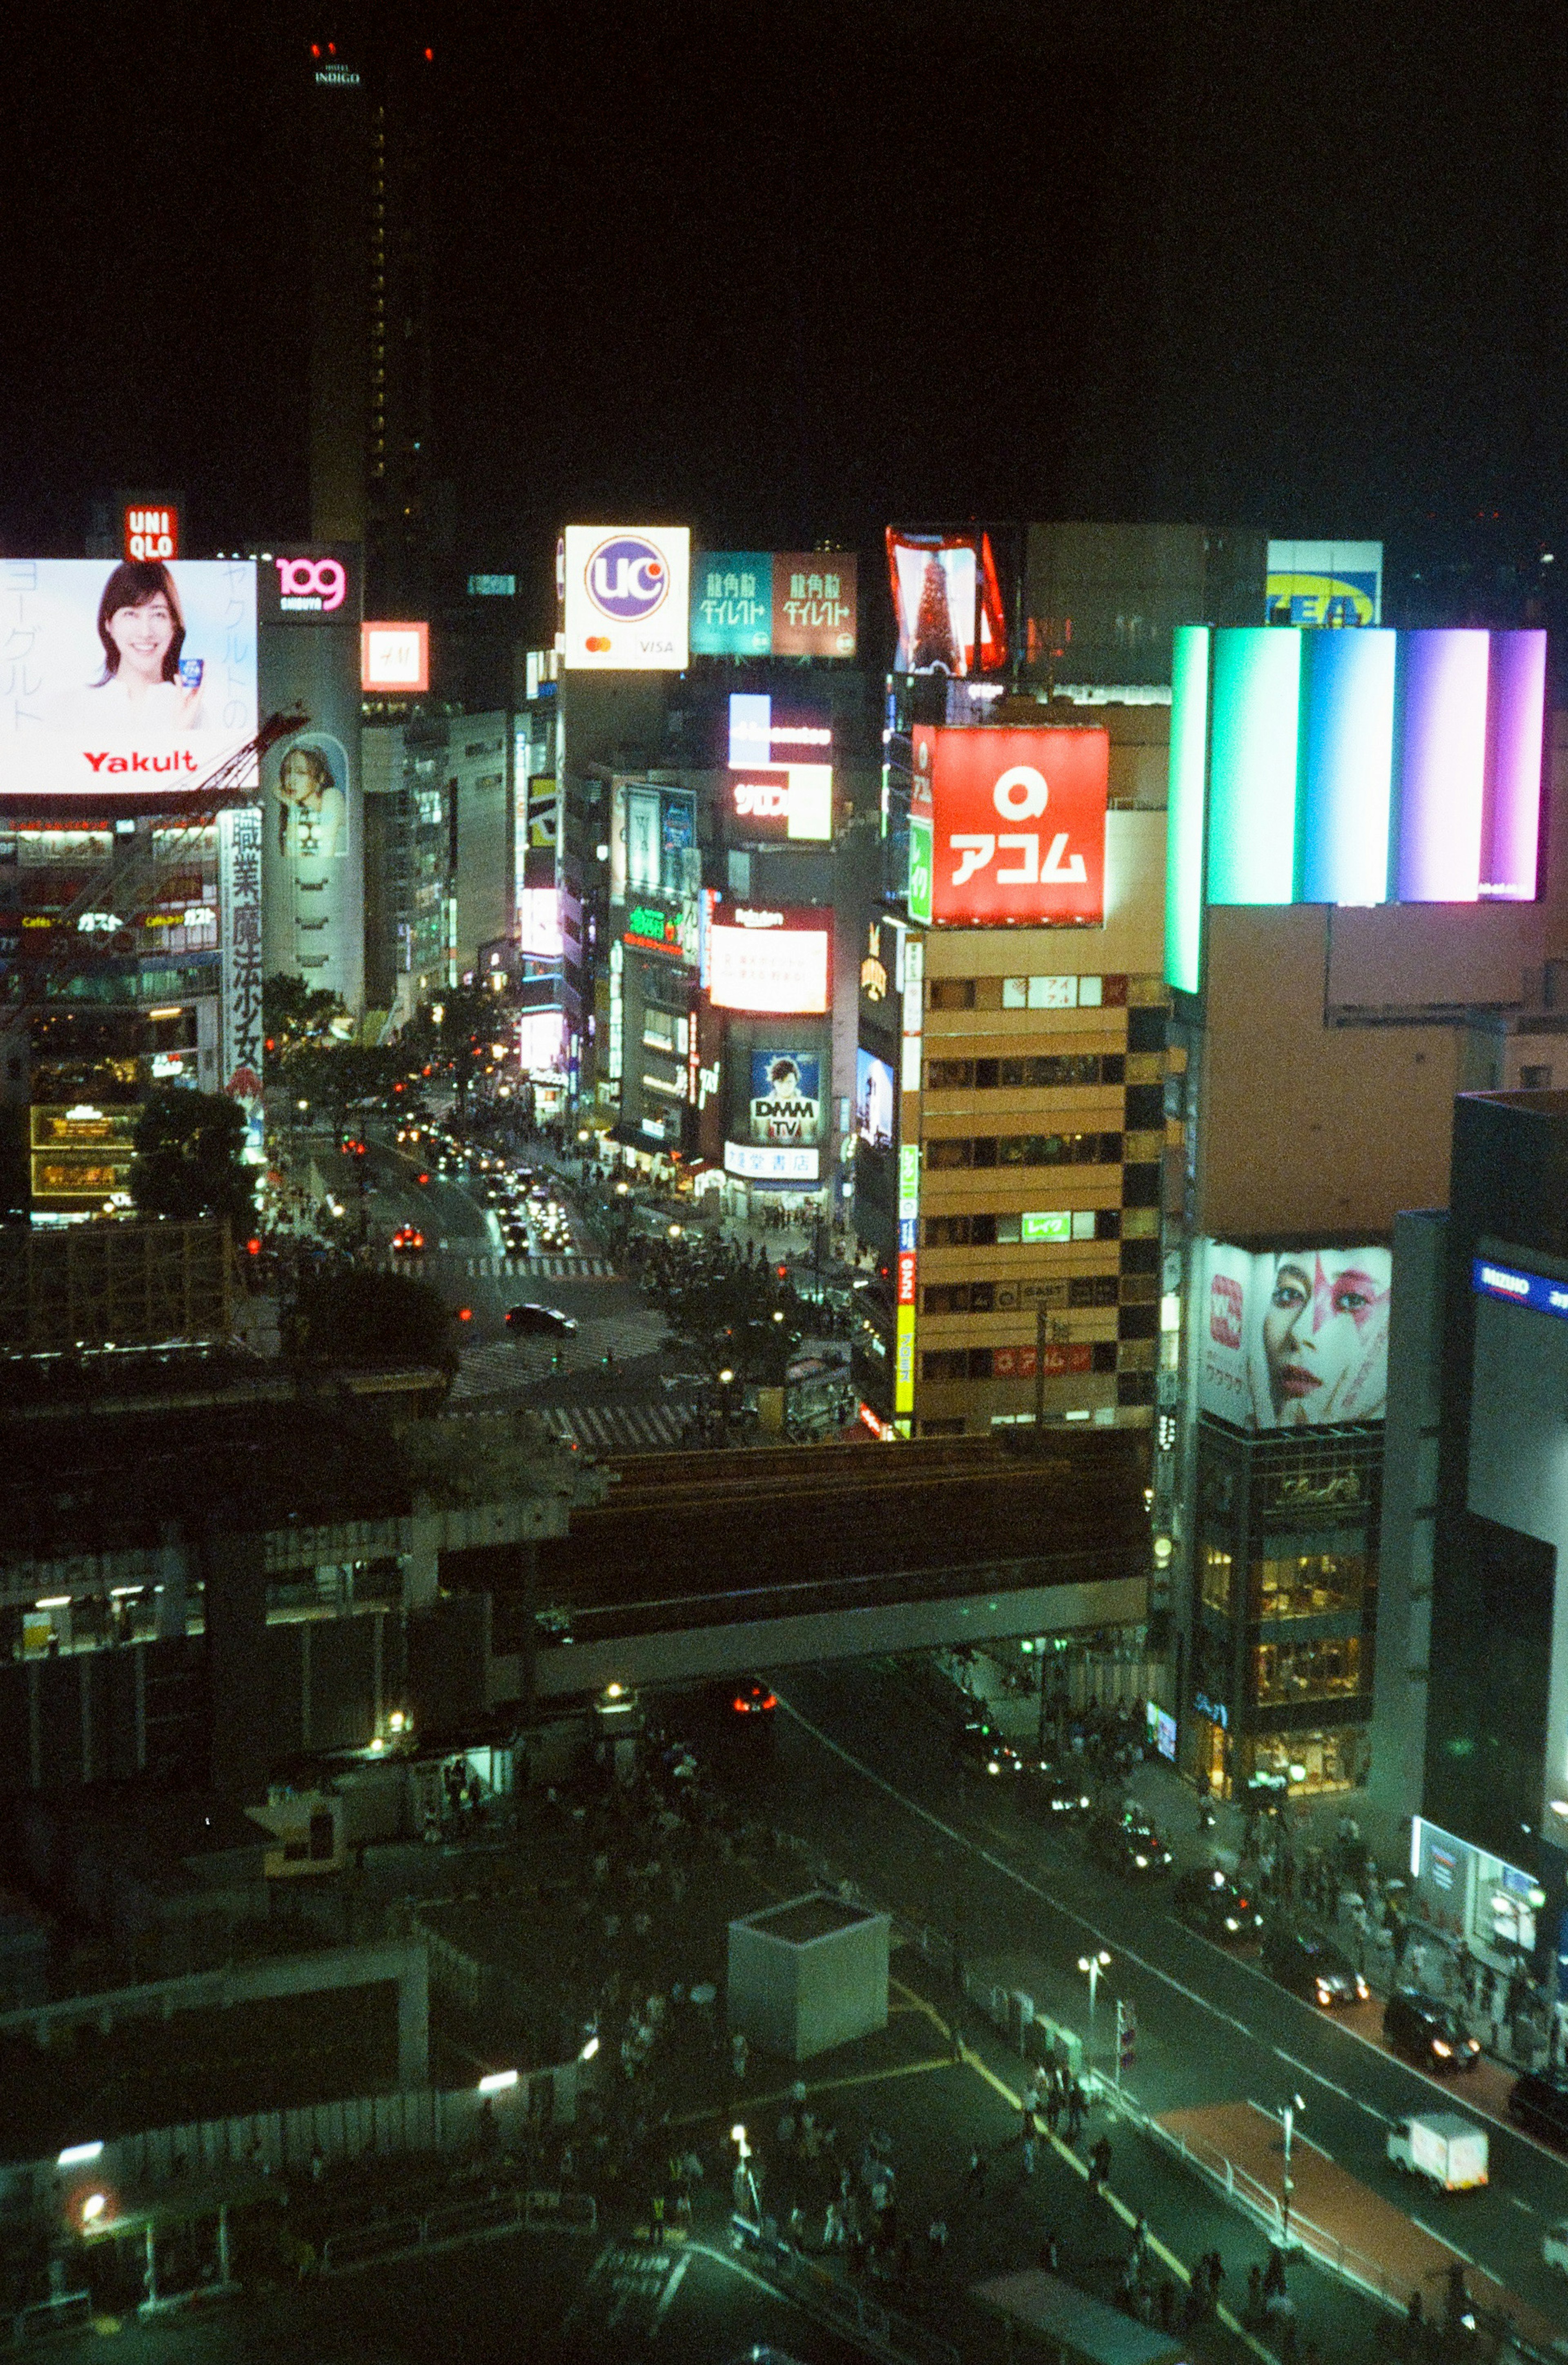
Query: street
point(863, 1772)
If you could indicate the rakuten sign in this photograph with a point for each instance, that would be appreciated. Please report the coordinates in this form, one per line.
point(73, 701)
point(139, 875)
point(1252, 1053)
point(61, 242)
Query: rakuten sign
point(1018, 824)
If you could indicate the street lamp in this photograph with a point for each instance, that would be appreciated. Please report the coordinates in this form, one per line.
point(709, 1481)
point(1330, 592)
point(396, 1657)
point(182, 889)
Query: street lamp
point(1091, 1966)
point(1287, 2120)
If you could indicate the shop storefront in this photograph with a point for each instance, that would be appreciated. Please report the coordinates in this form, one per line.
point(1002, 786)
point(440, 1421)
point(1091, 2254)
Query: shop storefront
point(1491, 1907)
point(1281, 1663)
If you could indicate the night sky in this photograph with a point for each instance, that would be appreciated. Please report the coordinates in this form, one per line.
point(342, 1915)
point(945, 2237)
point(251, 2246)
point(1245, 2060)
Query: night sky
point(789, 272)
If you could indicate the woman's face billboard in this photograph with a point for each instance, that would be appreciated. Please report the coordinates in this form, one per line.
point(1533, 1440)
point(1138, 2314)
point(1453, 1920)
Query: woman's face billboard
point(1294, 1338)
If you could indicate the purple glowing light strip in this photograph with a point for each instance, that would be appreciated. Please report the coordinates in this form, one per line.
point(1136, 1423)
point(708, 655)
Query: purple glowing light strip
point(1442, 766)
point(1515, 715)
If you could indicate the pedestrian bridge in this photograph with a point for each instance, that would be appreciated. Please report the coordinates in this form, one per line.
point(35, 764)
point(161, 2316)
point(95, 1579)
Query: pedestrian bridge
point(708, 1566)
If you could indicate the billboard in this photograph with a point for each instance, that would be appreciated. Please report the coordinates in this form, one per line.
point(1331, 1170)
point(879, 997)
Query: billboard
point(786, 1097)
point(1367, 767)
point(134, 679)
point(732, 603)
point(874, 1103)
point(789, 801)
point(946, 604)
point(1293, 1338)
point(774, 962)
point(626, 595)
point(395, 658)
point(814, 603)
point(775, 1163)
point(240, 931)
point(759, 603)
point(1335, 583)
point(1015, 822)
point(311, 812)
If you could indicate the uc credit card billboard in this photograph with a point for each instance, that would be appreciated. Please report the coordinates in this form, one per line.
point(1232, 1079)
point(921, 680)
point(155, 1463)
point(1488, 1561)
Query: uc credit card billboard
point(1016, 824)
point(127, 679)
point(626, 591)
point(1293, 1338)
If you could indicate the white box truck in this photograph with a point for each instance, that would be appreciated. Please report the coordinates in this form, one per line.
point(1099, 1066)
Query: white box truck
point(1449, 2151)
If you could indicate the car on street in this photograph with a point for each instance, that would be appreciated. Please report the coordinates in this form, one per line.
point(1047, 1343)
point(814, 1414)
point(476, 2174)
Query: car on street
point(1312, 1969)
point(1212, 1902)
point(540, 1322)
point(1538, 2104)
point(1422, 2029)
point(736, 1712)
point(1051, 1790)
point(978, 1747)
point(407, 1240)
point(1129, 1844)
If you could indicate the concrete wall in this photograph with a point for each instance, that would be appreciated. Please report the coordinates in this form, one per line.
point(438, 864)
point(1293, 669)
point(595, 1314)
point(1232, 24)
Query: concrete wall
point(1308, 1129)
point(690, 1652)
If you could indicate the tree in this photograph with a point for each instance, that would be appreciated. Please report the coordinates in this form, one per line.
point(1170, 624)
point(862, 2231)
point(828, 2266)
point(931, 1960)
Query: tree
point(335, 1076)
point(188, 1160)
point(456, 1043)
point(349, 1318)
point(294, 1012)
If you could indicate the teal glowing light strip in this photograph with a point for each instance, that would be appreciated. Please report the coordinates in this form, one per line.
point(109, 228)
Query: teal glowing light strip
point(1252, 796)
point(1185, 819)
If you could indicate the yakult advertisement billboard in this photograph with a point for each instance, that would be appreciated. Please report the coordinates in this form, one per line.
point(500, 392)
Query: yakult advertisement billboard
point(1293, 1338)
point(1017, 822)
point(132, 680)
point(626, 592)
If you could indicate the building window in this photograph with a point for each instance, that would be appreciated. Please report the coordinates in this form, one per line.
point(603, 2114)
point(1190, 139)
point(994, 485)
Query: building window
point(956, 1363)
point(952, 994)
point(1307, 1585)
point(1285, 1672)
point(961, 1297)
point(1535, 1079)
point(1217, 1568)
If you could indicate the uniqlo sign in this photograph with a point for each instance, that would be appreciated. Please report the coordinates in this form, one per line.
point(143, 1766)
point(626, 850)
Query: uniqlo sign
point(1018, 824)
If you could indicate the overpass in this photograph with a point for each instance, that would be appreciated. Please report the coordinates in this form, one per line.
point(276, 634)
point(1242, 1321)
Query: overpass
point(709, 1564)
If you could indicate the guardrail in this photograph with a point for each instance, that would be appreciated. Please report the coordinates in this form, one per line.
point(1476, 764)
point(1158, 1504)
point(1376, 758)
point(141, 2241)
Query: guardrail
point(62, 2312)
point(1254, 2198)
point(449, 2223)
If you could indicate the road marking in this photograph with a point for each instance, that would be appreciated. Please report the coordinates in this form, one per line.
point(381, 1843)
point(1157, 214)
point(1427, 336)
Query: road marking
point(1167, 2257)
point(1166, 1979)
point(672, 2285)
point(1436, 2236)
point(1515, 2202)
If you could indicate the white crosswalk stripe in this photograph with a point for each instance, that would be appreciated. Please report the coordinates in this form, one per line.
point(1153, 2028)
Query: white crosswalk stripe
point(550, 1268)
point(617, 1428)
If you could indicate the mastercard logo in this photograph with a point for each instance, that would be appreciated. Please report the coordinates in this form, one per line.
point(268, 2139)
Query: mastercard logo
point(597, 645)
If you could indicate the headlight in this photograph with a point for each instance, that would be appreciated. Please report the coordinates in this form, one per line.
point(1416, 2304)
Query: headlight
point(1444, 2052)
point(1083, 1802)
point(1322, 1991)
point(993, 1767)
point(1363, 1990)
point(1141, 1862)
point(1231, 1922)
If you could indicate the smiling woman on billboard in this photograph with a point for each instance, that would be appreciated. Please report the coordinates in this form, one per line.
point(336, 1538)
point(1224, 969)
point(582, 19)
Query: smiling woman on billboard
point(142, 627)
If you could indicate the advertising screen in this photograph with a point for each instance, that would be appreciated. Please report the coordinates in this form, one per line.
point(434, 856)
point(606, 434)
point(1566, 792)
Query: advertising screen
point(395, 658)
point(1293, 1338)
point(945, 589)
point(627, 590)
point(789, 800)
point(1017, 821)
point(1358, 768)
point(786, 1097)
point(769, 961)
point(874, 1104)
point(732, 603)
point(135, 679)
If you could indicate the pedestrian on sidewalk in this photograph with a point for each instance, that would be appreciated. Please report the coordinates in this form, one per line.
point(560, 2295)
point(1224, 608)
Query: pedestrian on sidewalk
point(1099, 2164)
point(975, 2180)
point(936, 2242)
point(1275, 2273)
point(1029, 2149)
point(1050, 2254)
point(1077, 2108)
point(1053, 2106)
